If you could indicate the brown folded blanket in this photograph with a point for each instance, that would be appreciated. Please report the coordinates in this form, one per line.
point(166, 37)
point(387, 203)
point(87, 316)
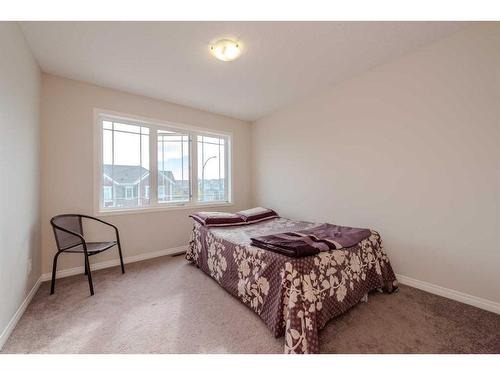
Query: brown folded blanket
point(312, 241)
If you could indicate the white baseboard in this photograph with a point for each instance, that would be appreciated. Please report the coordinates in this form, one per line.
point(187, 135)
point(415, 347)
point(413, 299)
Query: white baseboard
point(451, 294)
point(115, 262)
point(19, 313)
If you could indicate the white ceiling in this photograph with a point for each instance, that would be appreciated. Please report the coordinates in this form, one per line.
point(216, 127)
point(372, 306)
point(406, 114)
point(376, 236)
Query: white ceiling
point(282, 62)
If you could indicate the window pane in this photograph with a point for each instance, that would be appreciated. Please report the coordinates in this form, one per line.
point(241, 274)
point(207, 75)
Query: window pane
point(126, 178)
point(107, 144)
point(173, 167)
point(127, 128)
point(211, 169)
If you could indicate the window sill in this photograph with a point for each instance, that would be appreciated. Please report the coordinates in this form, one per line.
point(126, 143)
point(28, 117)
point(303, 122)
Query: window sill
point(161, 209)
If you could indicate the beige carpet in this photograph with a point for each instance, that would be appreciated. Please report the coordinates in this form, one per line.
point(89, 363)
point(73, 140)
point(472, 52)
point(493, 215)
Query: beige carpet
point(165, 305)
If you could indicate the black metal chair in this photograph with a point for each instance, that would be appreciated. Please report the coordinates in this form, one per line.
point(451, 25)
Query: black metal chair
point(68, 231)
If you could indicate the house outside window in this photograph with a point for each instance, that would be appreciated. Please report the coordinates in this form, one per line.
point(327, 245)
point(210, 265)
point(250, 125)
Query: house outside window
point(108, 193)
point(129, 192)
point(161, 192)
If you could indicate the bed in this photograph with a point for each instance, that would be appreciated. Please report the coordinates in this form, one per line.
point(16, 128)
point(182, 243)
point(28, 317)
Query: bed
point(295, 297)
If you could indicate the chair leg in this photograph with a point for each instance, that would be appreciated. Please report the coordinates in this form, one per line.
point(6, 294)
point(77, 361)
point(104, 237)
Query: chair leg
point(86, 272)
point(89, 275)
point(54, 270)
point(121, 257)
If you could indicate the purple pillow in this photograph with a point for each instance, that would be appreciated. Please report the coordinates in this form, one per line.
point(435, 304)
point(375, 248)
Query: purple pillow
point(217, 219)
point(254, 215)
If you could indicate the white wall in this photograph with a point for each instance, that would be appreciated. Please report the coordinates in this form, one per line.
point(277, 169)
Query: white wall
point(410, 149)
point(67, 166)
point(19, 172)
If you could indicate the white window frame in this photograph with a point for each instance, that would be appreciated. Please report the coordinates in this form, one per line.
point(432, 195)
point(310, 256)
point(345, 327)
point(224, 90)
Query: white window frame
point(154, 125)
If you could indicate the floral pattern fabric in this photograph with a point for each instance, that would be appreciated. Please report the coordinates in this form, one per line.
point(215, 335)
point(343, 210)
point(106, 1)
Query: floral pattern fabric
point(295, 297)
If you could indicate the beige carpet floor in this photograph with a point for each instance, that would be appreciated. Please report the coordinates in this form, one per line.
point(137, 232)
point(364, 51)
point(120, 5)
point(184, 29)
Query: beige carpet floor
point(166, 305)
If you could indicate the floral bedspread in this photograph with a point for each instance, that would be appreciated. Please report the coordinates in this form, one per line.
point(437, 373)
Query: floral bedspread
point(295, 297)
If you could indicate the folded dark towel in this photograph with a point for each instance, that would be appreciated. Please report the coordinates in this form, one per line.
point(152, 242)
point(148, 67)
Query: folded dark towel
point(312, 241)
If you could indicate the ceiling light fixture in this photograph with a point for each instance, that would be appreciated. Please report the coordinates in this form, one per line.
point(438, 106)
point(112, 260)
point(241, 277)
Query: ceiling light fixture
point(225, 49)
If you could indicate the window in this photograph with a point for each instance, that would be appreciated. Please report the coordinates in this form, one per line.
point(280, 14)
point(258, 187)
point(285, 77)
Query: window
point(125, 164)
point(173, 167)
point(211, 168)
point(149, 165)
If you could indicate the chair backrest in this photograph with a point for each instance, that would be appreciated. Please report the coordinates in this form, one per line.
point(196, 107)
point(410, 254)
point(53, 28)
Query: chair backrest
point(70, 222)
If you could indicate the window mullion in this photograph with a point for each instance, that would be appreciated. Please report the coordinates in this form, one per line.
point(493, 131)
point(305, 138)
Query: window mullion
point(153, 165)
point(139, 200)
point(194, 167)
point(227, 172)
point(113, 190)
